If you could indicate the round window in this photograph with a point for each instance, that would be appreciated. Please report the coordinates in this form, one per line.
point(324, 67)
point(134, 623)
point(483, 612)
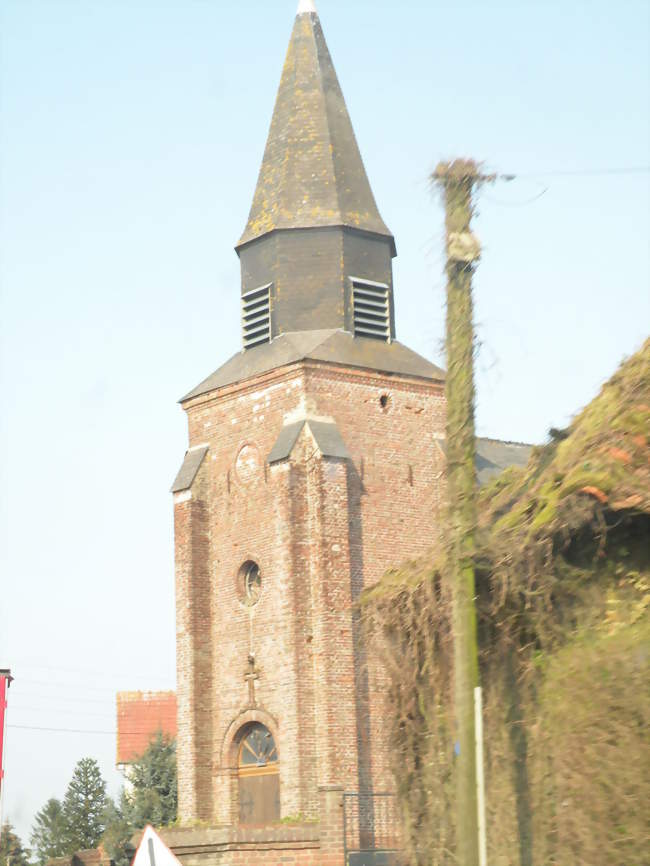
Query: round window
point(249, 583)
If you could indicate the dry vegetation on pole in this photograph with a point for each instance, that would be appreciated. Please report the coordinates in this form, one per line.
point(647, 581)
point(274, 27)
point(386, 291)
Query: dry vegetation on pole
point(563, 604)
point(458, 181)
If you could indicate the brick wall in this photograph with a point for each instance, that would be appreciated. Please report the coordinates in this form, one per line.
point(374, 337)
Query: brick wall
point(321, 530)
point(295, 846)
point(313, 844)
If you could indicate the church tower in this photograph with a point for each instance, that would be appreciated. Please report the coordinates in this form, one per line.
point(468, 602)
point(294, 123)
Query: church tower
point(312, 467)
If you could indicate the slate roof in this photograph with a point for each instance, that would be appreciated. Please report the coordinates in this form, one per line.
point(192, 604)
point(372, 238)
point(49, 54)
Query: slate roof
point(140, 715)
point(287, 438)
point(494, 455)
point(190, 466)
point(335, 346)
point(327, 435)
point(312, 173)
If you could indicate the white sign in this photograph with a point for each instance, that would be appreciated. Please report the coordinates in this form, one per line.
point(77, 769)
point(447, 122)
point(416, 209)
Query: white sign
point(152, 851)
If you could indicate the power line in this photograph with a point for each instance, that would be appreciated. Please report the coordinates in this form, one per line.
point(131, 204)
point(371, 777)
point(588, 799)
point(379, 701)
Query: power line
point(93, 673)
point(71, 730)
point(84, 686)
point(587, 172)
point(219, 708)
point(580, 172)
point(515, 203)
point(107, 689)
point(55, 698)
point(59, 711)
point(60, 698)
point(113, 733)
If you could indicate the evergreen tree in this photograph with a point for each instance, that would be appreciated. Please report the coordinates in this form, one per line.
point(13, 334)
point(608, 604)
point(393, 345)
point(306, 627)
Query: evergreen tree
point(154, 796)
point(117, 836)
point(152, 799)
point(84, 807)
point(48, 832)
point(12, 852)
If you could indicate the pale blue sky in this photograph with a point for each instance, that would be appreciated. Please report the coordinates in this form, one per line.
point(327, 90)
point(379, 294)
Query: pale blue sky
point(131, 136)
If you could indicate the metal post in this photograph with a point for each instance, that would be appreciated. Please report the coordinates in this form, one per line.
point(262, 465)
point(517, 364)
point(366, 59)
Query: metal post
point(5, 682)
point(480, 778)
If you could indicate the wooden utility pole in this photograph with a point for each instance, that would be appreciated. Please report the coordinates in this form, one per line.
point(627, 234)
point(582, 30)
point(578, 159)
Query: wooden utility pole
point(458, 181)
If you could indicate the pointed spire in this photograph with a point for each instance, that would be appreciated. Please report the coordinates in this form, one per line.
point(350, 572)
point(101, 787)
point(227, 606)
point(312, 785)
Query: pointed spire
point(306, 7)
point(312, 174)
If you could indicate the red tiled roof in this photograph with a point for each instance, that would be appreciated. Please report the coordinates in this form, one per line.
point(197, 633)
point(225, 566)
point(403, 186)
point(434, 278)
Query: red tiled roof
point(140, 715)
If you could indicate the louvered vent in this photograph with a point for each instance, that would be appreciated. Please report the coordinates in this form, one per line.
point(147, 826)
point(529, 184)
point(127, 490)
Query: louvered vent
point(256, 316)
point(371, 310)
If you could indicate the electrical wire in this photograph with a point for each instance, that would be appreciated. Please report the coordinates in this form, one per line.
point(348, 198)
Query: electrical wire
point(113, 733)
point(108, 689)
point(515, 203)
point(587, 172)
point(47, 707)
point(72, 730)
point(89, 672)
point(60, 711)
point(580, 172)
point(54, 700)
point(65, 685)
point(84, 686)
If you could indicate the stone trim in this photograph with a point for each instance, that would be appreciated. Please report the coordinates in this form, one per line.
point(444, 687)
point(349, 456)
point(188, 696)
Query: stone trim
point(227, 756)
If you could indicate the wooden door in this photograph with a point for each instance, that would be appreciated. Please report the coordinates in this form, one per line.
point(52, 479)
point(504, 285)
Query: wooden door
point(259, 777)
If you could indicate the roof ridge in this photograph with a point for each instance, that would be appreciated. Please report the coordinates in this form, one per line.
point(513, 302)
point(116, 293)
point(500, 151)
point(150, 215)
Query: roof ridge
point(328, 126)
point(330, 345)
point(327, 334)
point(505, 441)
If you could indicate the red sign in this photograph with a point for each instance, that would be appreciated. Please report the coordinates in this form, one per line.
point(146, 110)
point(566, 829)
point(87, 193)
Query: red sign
point(5, 679)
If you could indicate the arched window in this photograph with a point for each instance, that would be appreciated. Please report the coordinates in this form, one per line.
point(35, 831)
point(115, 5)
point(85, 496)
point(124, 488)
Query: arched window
point(249, 583)
point(259, 778)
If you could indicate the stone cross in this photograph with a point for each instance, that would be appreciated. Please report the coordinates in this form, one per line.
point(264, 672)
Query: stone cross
point(250, 677)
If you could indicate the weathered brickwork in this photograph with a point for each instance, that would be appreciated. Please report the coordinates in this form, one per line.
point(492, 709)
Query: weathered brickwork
point(307, 844)
point(353, 486)
point(272, 847)
point(321, 529)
